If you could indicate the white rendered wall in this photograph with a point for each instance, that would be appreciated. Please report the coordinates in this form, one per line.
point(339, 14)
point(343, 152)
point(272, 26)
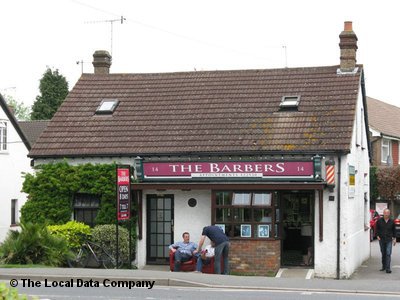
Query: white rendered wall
point(186, 218)
point(13, 163)
point(325, 251)
point(354, 216)
point(355, 244)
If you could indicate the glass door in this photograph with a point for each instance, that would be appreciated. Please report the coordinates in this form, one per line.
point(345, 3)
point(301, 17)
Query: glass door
point(160, 221)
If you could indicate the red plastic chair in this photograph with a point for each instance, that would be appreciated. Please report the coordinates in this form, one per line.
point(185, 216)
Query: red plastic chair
point(209, 268)
point(190, 265)
point(187, 266)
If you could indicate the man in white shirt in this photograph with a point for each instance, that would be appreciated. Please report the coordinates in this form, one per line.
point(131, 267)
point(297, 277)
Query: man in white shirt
point(205, 257)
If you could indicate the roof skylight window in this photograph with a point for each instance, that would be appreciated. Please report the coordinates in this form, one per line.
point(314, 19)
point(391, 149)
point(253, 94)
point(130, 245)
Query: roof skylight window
point(107, 106)
point(289, 102)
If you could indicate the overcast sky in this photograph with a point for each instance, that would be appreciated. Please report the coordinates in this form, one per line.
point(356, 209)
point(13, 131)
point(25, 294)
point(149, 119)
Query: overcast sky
point(171, 35)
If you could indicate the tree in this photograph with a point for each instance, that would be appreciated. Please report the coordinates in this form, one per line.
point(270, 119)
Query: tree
point(373, 183)
point(53, 88)
point(21, 112)
point(389, 183)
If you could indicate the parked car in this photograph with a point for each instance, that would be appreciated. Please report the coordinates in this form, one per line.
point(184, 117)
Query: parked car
point(397, 225)
point(372, 224)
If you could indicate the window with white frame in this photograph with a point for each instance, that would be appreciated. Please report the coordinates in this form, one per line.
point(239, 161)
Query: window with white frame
point(385, 150)
point(107, 106)
point(3, 136)
point(289, 103)
point(398, 147)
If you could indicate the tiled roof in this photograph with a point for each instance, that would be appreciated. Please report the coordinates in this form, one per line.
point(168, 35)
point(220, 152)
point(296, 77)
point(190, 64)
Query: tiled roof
point(205, 112)
point(14, 122)
point(384, 117)
point(33, 129)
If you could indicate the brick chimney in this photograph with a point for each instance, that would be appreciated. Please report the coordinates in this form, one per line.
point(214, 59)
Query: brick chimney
point(348, 48)
point(101, 62)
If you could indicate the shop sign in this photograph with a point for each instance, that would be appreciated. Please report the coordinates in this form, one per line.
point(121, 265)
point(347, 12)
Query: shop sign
point(123, 193)
point(282, 170)
point(380, 207)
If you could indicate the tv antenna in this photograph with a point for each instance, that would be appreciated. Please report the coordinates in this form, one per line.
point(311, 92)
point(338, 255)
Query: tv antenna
point(285, 53)
point(81, 62)
point(122, 19)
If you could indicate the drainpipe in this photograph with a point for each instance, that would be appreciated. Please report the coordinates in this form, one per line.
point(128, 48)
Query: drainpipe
point(338, 220)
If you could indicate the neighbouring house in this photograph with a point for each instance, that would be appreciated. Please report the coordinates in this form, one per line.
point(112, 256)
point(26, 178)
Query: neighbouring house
point(14, 162)
point(278, 158)
point(384, 130)
point(33, 129)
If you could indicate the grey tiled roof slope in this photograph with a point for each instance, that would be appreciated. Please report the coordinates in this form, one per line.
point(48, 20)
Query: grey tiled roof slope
point(384, 117)
point(33, 129)
point(205, 112)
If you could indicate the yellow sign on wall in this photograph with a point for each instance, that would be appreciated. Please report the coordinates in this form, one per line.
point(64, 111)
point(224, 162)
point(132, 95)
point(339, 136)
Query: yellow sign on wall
point(352, 181)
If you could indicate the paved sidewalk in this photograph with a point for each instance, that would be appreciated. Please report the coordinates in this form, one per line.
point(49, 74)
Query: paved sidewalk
point(366, 280)
point(370, 269)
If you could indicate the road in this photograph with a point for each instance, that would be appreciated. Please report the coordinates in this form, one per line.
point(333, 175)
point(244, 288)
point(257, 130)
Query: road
point(85, 293)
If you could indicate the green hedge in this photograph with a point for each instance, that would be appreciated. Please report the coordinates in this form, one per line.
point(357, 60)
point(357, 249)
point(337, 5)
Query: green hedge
point(74, 232)
point(105, 236)
point(11, 293)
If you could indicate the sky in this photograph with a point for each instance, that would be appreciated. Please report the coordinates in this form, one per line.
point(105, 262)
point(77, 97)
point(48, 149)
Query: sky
point(186, 35)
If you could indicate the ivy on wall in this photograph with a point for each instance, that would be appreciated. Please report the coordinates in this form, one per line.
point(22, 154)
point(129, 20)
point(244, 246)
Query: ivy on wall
point(51, 190)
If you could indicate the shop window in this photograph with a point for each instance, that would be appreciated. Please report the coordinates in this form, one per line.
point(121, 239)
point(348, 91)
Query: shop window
point(3, 136)
point(241, 199)
point(223, 198)
point(246, 214)
point(86, 207)
point(263, 199)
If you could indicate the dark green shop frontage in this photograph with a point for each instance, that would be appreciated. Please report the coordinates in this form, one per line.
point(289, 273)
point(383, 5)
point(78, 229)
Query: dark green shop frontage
point(270, 221)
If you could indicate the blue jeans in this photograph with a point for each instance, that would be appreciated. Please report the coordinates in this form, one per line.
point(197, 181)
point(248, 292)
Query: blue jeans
point(201, 262)
point(221, 250)
point(386, 250)
point(179, 258)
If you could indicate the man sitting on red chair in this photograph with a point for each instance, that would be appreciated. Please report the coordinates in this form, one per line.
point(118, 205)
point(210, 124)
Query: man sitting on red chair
point(205, 257)
point(183, 251)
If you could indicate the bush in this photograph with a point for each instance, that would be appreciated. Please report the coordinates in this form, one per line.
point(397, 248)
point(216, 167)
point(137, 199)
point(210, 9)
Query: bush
point(105, 236)
point(11, 293)
point(73, 232)
point(34, 245)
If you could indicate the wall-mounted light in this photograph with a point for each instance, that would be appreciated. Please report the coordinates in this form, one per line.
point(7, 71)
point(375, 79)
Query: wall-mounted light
point(317, 167)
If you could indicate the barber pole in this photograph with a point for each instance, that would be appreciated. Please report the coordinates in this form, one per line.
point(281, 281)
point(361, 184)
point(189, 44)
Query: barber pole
point(330, 173)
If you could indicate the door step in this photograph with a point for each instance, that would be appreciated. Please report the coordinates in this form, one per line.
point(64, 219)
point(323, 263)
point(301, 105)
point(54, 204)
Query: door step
point(295, 273)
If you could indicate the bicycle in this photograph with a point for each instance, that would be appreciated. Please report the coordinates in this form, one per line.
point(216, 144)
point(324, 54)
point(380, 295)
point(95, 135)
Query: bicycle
point(90, 251)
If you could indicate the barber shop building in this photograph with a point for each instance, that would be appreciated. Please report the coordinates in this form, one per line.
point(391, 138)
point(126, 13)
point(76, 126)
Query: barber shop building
point(278, 158)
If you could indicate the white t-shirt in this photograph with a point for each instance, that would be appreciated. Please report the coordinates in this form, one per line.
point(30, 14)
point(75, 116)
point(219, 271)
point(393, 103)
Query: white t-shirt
point(210, 251)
